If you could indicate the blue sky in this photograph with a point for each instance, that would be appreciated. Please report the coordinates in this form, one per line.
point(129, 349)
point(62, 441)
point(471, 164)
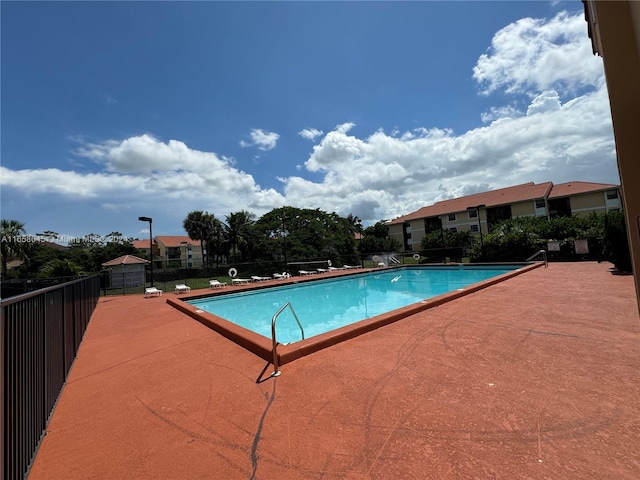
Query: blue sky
point(115, 110)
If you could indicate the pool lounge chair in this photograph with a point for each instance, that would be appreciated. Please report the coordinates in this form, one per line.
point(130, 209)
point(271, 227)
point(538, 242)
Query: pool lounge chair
point(349, 267)
point(281, 276)
point(306, 272)
point(256, 278)
point(217, 284)
point(182, 288)
point(322, 270)
point(240, 281)
point(151, 291)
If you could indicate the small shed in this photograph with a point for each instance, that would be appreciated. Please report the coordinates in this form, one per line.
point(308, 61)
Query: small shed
point(127, 271)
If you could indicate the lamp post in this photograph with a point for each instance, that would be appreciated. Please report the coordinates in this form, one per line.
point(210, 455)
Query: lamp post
point(150, 220)
point(124, 292)
point(284, 244)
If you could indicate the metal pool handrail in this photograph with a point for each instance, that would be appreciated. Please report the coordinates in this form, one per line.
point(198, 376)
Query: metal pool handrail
point(276, 371)
point(544, 257)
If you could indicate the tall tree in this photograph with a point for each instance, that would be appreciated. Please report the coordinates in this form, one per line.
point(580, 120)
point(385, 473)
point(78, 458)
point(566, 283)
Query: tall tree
point(355, 222)
point(11, 233)
point(216, 239)
point(198, 225)
point(376, 239)
point(289, 233)
point(238, 229)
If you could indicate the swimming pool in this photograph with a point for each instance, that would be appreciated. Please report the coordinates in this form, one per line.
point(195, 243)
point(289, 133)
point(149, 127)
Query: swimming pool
point(326, 305)
point(334, 309)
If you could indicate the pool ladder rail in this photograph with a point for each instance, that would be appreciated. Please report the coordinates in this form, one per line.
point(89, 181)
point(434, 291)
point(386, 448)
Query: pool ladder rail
point(274, 343)
point(544, 257)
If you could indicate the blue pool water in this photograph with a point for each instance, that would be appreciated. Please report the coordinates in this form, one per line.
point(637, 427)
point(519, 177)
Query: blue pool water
point(325, 305)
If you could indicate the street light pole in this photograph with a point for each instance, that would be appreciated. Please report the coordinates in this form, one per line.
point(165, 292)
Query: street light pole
point(284, 245)
point(150, 220)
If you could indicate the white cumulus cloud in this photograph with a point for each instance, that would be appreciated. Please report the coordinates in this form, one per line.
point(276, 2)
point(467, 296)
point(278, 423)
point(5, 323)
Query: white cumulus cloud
point(540, 54)
point(261, 139)
point(548, 101)
point(310, 133)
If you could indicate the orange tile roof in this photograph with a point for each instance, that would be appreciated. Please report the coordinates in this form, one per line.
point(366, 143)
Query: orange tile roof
point(176, 240)
point(502, 196)
point(125, 259)
point(576, 188)
point(140, 243)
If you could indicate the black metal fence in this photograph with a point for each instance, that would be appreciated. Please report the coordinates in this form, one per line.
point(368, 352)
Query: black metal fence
point(18, 286)
point(40, 333)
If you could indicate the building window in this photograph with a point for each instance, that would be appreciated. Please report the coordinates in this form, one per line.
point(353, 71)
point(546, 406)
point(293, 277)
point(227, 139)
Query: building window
point(452, 217)
point(474, 228)
point(473, 213)
point(612, 194)
point(540, 203)
point(497, 214)
point(432, 224)
point(560, 207)
point(453, 229)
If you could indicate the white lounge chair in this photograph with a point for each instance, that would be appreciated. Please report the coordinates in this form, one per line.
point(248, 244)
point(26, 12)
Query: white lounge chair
point(217, 284)
point(256, 278)
point(148, 292)
point(240, 281)
point(281, 276)
point(349, 267)
point(182, 288)
point(305, 272)
point(322, 270)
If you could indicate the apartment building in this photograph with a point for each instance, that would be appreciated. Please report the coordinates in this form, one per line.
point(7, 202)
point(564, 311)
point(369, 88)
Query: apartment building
point(478, 212)
point(179, 250)
point(143, 246)
point(173, 250)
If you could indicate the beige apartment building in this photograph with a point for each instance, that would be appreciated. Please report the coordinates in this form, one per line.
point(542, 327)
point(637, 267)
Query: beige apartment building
point(173, 250)
point(478, 212)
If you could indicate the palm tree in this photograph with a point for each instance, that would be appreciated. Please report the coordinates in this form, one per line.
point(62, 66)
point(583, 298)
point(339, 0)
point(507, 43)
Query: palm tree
point(10, 244)
point(238, 229)
point(216, 239)
point(355, 222)
point(198, 225)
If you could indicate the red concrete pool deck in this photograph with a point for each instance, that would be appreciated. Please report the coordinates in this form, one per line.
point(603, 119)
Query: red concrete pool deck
point(537, 377)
